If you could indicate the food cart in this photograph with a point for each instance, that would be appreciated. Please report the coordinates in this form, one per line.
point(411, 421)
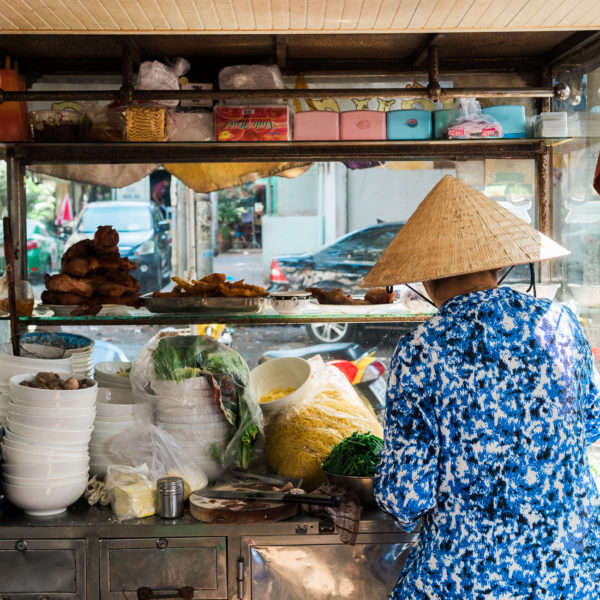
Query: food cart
point(87, 553)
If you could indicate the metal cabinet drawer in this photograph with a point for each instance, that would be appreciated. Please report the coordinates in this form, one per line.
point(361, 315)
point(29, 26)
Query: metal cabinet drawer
point(128, 564)
point(31, 569)
point(320, 568)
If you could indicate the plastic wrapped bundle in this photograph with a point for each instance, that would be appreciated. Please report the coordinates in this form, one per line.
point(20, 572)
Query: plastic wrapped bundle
point(202, 397)
point(305, 433)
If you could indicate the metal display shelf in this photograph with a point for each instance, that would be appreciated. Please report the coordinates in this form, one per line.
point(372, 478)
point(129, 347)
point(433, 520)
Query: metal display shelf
point(143, 317)
point(185, 152)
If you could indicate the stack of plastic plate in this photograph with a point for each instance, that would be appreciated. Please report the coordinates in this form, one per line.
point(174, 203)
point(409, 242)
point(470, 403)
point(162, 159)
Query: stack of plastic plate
point(45, 446)
point(112, 374)
point(189, 413)
point(116, 412)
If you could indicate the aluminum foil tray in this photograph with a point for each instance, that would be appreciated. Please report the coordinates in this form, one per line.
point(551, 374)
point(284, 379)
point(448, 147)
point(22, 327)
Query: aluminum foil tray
point(165, 304)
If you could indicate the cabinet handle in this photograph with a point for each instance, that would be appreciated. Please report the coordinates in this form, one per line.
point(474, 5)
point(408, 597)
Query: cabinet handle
point(162, 543)
point(21, 545)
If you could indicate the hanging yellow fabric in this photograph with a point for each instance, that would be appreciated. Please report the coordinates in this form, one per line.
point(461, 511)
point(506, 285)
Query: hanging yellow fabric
point(209, 177)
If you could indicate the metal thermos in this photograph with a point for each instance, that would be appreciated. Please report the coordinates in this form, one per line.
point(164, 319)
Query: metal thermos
point(170, 497)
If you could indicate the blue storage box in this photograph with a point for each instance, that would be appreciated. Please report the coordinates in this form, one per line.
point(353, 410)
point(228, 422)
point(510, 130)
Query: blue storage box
point(441, 120)
point(511, 117)
point(409, 125)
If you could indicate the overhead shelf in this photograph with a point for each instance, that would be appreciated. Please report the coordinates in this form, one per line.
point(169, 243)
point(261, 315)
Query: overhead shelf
point(143, 317)
point(192, 152)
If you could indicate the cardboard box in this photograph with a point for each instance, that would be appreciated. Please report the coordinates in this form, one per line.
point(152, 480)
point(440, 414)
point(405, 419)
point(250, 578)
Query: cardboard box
point(252, 123)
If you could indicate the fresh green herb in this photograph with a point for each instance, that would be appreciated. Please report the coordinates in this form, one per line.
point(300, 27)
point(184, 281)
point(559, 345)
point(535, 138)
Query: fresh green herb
point(357, 456)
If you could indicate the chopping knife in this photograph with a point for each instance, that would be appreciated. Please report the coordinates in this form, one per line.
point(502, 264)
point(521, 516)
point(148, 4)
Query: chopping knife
point(270, 496)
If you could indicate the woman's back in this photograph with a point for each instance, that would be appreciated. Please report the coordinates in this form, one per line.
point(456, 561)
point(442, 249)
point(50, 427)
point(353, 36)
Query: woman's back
point(491, 409)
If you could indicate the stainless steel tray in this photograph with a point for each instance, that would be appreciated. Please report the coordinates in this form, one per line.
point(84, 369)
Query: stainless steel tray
point(164, 304)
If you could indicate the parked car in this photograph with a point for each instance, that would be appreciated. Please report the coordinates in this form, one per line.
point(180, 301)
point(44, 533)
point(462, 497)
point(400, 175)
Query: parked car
point(341, 264)
point(43, 250)
point(144, 237)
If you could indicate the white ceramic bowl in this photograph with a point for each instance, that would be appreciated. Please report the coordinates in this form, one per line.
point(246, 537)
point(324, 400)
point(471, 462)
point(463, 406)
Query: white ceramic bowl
point(588, 295)
point(116, 402)
point(17, 453)
point(59, 436)
point(122, 425)
point(12, 365)
point(57, 422)
point(46, 470)
point(50, 411)
point(16, 438)
point(108, 371)
point(33, 396)
point(45, 500)
point(199, 433)
point(277, 373)
point(290, 303)
point(50, 480)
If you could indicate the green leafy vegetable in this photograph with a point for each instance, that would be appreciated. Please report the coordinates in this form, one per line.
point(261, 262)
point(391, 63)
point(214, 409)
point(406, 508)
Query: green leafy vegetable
point(356, 456)
point(181, 357)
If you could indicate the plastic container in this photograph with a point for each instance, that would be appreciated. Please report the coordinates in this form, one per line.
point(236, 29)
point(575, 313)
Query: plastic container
point(14, 123)
point(363, 125)
point(317, 125)
point(280, 373)
point(511, 117)
point(56, 125)
point(441, 120)
point(408, 125)
point(23, 296)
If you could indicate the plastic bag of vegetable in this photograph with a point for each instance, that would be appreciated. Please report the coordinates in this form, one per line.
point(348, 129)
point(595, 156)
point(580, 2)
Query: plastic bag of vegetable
point(305, 433)
point(202, 394)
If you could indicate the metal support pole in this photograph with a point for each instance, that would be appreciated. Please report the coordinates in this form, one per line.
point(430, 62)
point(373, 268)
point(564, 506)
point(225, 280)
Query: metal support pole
point(433, 88)
point(204, 251)
point(126, 91)
point(17, 211)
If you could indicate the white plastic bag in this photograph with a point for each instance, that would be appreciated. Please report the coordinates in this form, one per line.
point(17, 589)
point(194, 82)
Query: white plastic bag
point(154, 75)
point(251, 77)
point(467, 121)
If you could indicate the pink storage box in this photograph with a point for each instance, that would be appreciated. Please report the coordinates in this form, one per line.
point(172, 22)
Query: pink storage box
point(317, 125)
point(362, 125)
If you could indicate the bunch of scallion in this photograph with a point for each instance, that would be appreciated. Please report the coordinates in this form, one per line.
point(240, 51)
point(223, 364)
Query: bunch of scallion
point(356, 456)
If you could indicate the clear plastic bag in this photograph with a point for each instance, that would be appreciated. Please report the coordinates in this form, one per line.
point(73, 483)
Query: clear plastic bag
point(197, 126)
point(201, 384)
point(107, 122)
point(303, 434)
point(147, 454)
point(251, 77)
point(131, 490)
point(154, 75)
point(467, 121)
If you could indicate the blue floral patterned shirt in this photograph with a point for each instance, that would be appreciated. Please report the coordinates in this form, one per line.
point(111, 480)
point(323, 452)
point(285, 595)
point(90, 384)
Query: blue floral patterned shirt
point(491, 406)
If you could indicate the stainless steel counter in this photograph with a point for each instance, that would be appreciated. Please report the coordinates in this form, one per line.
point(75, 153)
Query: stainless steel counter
point(88, 553)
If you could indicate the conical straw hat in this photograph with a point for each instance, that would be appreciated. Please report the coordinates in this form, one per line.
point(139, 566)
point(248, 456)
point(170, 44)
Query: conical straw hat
point(457, 230)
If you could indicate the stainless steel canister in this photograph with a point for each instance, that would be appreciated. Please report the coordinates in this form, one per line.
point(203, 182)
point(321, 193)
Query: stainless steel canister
point(170, 497)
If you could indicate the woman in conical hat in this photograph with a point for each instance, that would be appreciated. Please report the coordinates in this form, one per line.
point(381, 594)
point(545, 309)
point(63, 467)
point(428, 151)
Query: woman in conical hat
point(491, 406)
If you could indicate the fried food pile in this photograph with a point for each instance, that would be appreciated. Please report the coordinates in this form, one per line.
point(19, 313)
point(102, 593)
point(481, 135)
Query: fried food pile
point(377, 295)
point(212, 286)
point(93, 273)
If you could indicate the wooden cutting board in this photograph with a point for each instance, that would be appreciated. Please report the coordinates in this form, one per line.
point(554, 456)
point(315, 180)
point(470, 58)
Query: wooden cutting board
point(217, 510)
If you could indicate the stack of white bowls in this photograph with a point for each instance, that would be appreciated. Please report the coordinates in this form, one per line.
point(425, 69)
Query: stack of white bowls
point(13, 365)
point(116, 412)
point(45, 446)
point(189, 413)
point(110, 374)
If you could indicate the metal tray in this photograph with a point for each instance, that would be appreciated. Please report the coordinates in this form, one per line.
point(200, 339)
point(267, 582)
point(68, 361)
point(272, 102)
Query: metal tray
point(215, 305)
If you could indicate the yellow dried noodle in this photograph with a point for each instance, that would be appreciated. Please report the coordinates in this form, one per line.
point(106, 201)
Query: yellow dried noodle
point(302, 436)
